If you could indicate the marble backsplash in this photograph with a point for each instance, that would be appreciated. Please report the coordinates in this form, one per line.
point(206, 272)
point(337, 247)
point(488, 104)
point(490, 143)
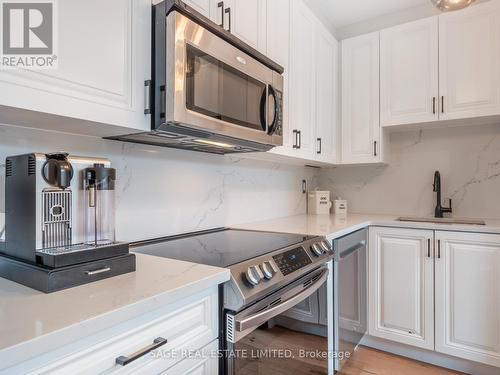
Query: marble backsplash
point(164, 191)
point(467, 157)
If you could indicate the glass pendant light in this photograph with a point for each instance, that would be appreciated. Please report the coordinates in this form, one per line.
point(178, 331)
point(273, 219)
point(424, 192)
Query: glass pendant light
point(448, 5)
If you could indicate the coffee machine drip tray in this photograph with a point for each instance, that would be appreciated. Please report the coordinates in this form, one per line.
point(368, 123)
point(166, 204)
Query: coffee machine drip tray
point(63, 256)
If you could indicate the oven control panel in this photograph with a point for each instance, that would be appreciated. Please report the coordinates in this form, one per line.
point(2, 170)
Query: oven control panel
point(292, 260)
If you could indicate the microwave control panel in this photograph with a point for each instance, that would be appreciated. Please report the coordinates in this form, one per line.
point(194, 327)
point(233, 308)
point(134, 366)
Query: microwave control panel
point(292, 260)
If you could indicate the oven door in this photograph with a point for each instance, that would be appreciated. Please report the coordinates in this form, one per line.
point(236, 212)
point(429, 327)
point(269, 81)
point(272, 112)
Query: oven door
point(255, 345)
point(213, 86)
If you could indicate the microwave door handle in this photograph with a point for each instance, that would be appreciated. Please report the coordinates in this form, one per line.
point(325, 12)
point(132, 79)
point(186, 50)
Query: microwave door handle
point(263, 316)
point(263, 109)
point(272, 126)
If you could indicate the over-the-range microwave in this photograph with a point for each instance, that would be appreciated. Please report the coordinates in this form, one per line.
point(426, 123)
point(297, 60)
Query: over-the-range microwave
point(210, 91)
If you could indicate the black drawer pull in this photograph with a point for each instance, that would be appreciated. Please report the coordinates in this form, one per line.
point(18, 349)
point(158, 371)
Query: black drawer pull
point(125, 360)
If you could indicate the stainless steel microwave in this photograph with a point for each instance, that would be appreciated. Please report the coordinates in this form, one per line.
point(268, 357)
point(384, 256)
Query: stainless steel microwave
point(210, 92)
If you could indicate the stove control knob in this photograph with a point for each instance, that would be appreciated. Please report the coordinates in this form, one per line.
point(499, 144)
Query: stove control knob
point(317, 249)
point(253, 275)
point(325, 245)
point(267, 270)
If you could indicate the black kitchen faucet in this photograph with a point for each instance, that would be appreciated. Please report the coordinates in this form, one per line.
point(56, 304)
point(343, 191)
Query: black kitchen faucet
point(437, 189)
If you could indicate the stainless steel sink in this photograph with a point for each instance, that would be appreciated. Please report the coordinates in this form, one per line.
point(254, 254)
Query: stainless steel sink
point(442, 220)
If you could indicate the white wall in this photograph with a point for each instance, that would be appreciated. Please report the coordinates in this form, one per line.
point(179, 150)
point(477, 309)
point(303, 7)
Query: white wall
point(467, 157)
point(164, 191)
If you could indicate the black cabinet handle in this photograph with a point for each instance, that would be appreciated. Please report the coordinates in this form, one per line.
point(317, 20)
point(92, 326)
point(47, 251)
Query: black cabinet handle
point(442, 104)
point(294, 138)
point(220, 5)
point(428, 248)
point(434, 105)
point(299, 133)
point(374, 148)
point(439, 249)
point(319, 144)
point(125, 360)
point(228, 11)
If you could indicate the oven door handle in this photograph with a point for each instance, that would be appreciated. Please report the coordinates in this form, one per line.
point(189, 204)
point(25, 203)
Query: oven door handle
point(263, 316)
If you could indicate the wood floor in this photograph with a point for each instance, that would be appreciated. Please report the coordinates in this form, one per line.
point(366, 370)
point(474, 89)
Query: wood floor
point(365, 361)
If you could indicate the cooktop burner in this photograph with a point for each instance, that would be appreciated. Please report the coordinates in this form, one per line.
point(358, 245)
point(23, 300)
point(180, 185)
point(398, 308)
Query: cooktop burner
point(220, 247)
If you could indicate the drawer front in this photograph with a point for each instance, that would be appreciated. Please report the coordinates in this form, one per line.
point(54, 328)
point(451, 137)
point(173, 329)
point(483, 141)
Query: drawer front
point(187, 327)
point(203, 363)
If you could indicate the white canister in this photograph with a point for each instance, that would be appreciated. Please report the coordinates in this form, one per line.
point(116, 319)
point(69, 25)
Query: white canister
point(340, 208)
point(318, 202)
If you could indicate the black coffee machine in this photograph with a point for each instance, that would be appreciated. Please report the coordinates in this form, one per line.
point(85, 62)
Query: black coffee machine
point(60, 222)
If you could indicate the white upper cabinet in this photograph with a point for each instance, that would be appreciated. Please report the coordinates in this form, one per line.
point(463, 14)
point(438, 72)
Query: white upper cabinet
point(360, 100)
point(104, 57)
point(326, 59)
point(202, 6)
point(302, 80)
point(469, 60)
point(278, 49)
point(244, 19)
point(468, 296)
point(401, 286)
point(409, 73)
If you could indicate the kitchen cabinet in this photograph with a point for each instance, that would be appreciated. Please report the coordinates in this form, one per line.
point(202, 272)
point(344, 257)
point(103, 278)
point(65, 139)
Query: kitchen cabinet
point(202, 6)
point(245, 19)
point(468, 296)
point(469, 57)
point(104, 58)
point(326, 66)
point(401, 286)
point(361, 134)
point(302, 80)
point(278, 49)
point(188, 325)
point(409, 73)
point(206, 364)
point(312, 92)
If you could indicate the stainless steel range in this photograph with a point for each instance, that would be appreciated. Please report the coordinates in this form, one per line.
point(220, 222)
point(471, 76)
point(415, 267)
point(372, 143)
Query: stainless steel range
point(271, 273)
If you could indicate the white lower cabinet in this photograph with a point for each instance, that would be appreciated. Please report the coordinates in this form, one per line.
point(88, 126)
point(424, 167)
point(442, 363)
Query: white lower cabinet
point(188, 326)
point(205, 364)
point(437, 290)
point(468, 296)
point(401, 292)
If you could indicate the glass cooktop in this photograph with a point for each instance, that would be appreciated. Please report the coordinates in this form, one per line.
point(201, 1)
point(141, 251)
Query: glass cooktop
point(221, 247)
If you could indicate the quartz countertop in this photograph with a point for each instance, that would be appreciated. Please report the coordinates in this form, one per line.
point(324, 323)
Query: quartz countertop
point(333, 226)
point(46, 321)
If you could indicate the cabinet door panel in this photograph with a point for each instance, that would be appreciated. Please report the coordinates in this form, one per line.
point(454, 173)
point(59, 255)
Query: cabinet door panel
point(468, 296)
point(205, 364)
point(248, 22)
point(360, 99)
point(278, 49)
point(469, 57)
point(302, 79)
point(101, 69)
point(409, 73)
point(202, 6)
point(401, 306)
point(326, 96)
